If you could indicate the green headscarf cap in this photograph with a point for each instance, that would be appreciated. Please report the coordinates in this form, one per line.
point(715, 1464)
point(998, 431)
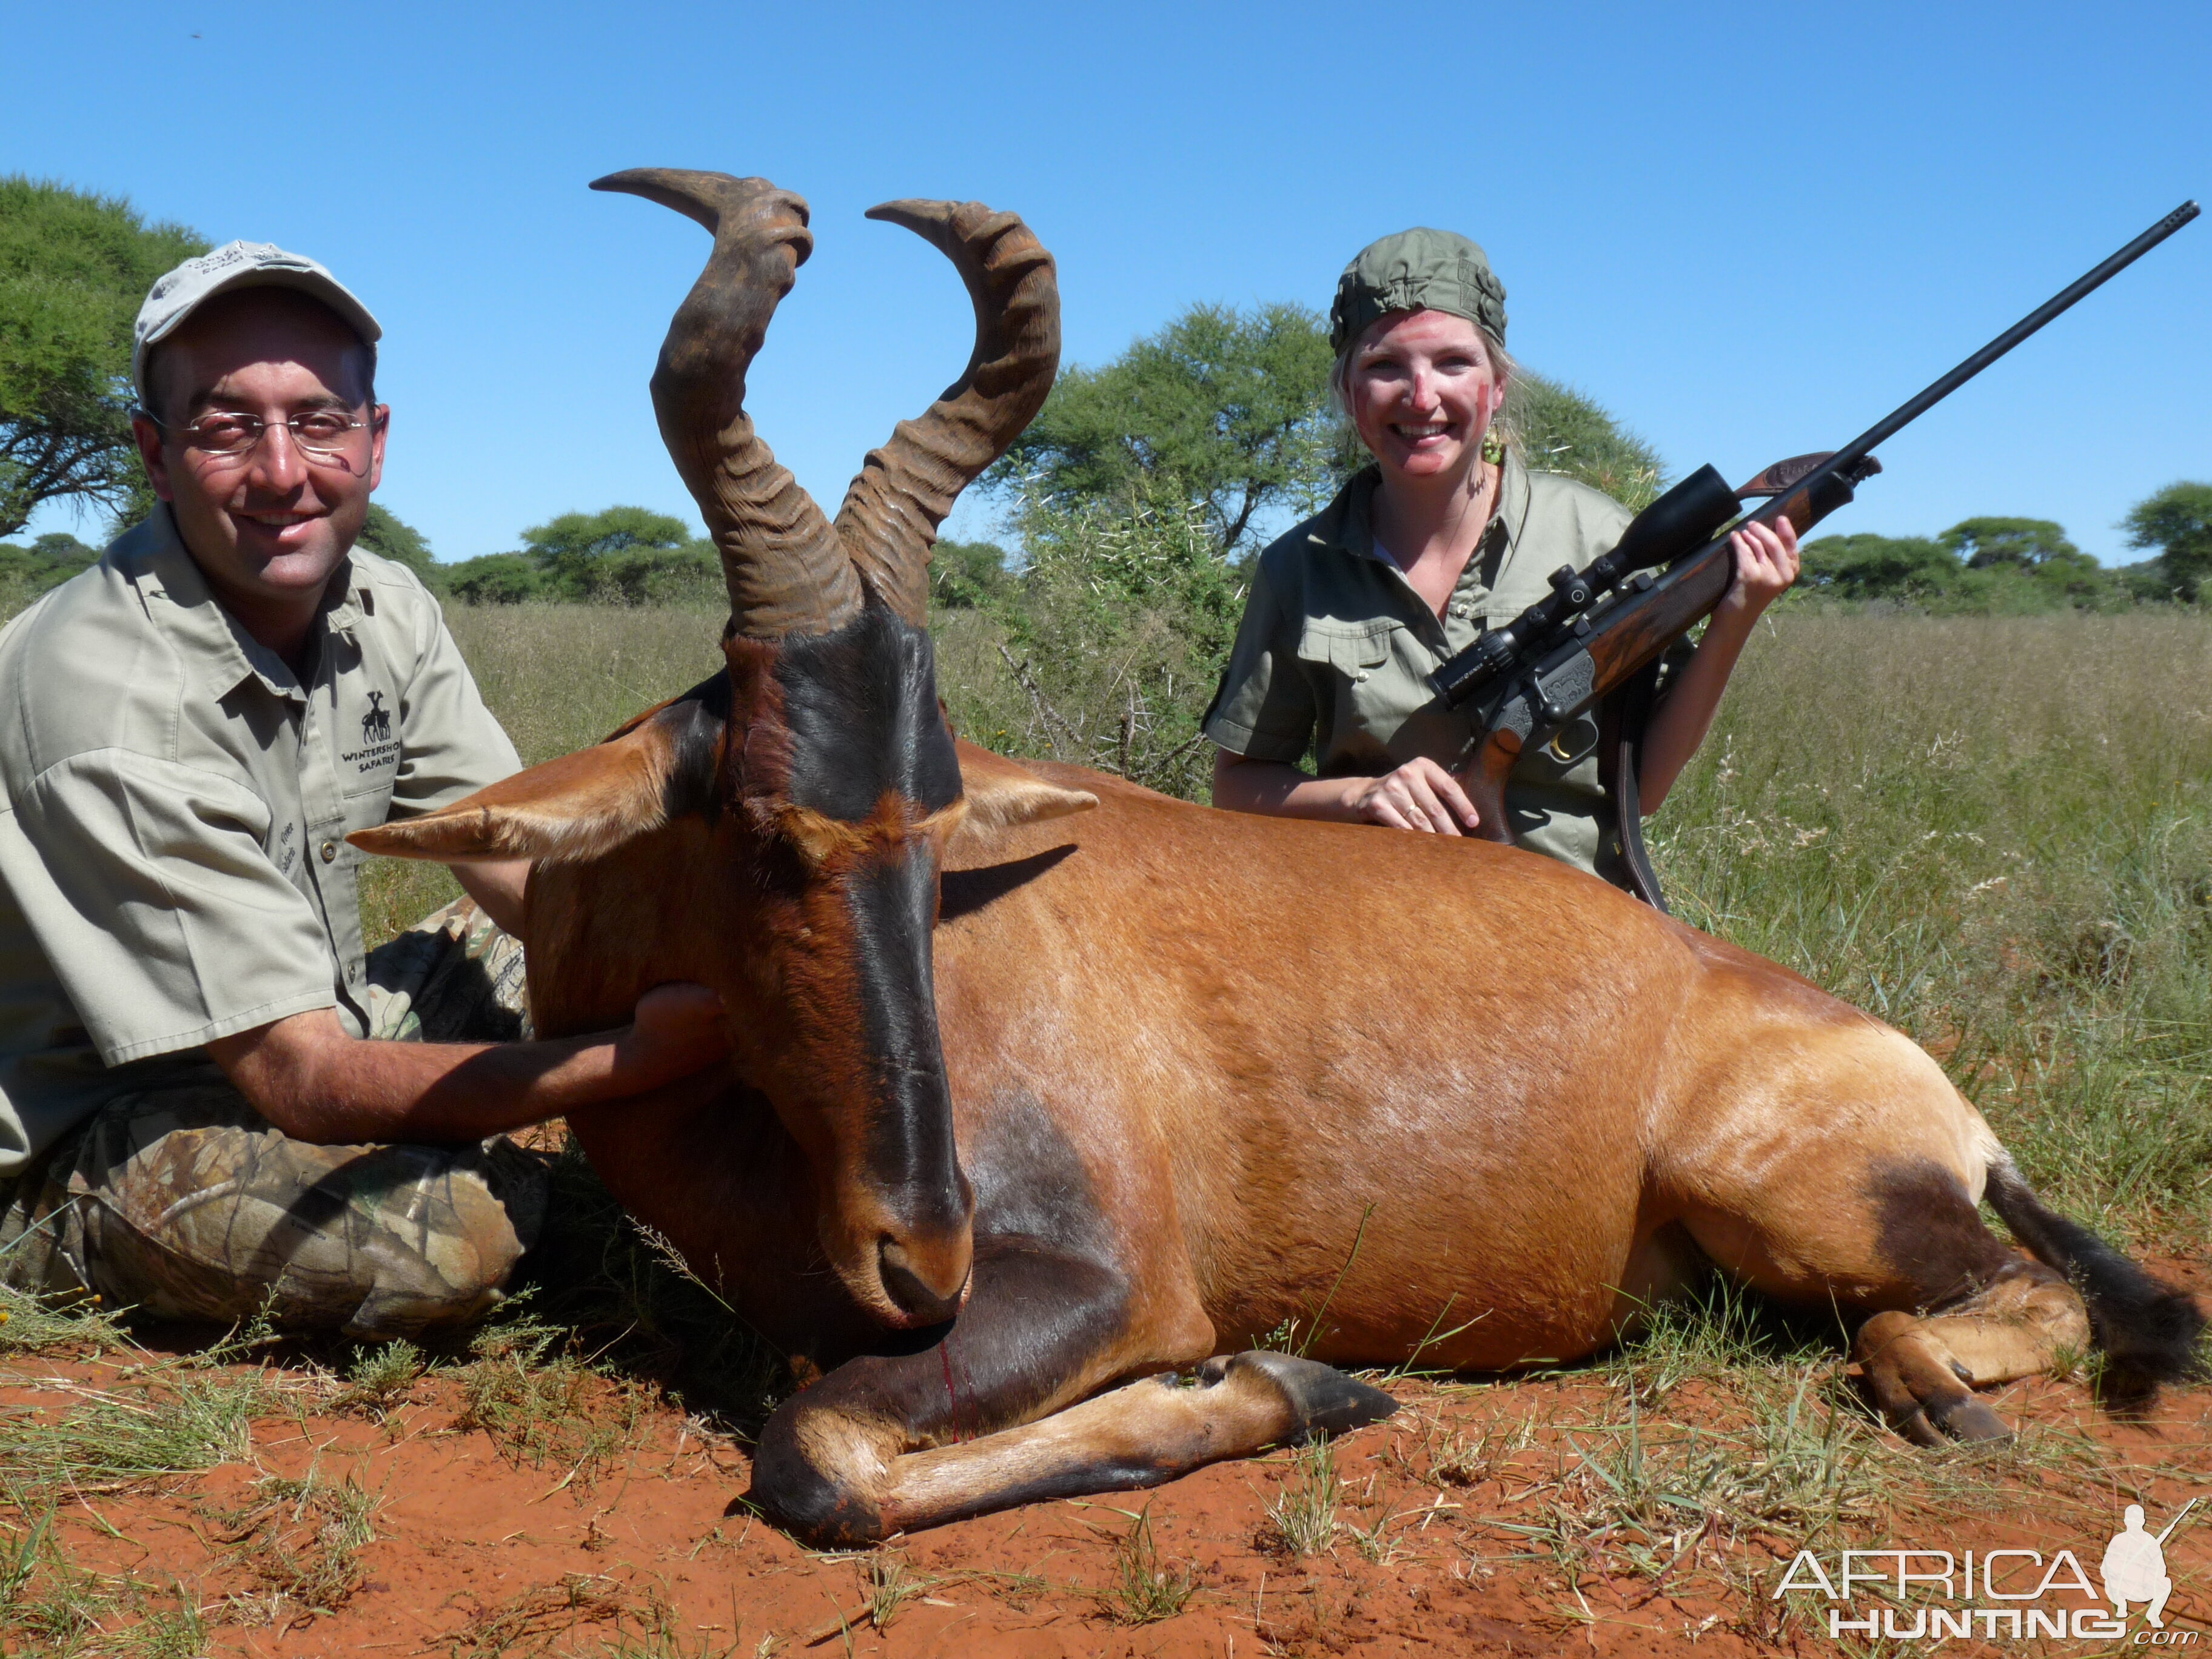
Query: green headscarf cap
point(1416, 269)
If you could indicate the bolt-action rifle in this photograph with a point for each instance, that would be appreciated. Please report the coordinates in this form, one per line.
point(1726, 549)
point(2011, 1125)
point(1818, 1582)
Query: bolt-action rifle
point(1598, 636)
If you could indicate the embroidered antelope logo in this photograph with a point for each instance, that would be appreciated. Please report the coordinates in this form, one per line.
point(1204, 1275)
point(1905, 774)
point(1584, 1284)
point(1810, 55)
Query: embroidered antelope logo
point(376, 725)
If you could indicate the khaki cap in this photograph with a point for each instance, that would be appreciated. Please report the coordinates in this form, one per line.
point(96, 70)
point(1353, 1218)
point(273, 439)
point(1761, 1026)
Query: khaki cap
point(1416, 269)
point(177, 294)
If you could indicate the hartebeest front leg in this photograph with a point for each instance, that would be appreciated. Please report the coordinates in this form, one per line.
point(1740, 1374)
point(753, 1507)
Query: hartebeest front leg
point(969, 1424)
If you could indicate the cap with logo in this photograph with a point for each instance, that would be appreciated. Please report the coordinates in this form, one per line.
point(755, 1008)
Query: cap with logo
point(175, 295)
point(1416, 269)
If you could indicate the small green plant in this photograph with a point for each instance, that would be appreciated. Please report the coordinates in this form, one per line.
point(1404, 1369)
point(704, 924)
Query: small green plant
point(1144, 1592)
point(545, 1408)
point(1303, 1520)
point(380, 1378)
point(888, 1582)
point(29, 1324)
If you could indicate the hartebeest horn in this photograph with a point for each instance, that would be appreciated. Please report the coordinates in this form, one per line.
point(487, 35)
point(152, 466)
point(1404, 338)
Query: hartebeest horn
point(788, 573)
point(889, 518)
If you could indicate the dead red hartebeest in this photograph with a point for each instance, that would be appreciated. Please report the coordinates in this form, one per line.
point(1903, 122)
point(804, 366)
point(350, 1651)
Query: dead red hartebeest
point(1044, 1082)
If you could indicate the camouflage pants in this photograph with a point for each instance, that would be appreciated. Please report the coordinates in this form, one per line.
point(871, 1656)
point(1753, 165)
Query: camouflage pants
point(184, 1202)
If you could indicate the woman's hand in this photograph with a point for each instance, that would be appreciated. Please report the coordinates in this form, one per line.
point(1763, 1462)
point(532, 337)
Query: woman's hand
point(1765, 564)
point(1419, 795)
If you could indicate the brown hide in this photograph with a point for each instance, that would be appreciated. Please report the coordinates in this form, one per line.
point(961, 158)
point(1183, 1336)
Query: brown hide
point(1266, 1040)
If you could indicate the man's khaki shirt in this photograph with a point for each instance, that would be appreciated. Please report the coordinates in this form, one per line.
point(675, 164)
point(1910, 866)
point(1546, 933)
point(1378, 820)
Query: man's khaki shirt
point(1335, 649)
point(173, 858)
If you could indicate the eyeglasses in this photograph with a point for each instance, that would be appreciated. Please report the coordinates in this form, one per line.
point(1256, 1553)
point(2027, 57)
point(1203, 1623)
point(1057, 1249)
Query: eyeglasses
point(321, 434)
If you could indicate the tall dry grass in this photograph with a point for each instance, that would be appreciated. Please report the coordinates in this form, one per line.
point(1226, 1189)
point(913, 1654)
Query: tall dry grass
point(1994, 834)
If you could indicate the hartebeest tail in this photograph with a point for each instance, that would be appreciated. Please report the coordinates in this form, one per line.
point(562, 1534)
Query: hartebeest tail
point(2149, 1332)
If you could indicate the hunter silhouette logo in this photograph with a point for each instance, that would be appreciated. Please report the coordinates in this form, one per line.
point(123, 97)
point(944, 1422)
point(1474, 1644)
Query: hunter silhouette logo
point(2134, 1567)
point(376, 725)
point(2006, 1593)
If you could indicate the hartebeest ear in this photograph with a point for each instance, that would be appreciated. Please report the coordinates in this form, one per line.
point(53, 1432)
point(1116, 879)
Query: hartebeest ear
point(576, 807)
point(1002, 794)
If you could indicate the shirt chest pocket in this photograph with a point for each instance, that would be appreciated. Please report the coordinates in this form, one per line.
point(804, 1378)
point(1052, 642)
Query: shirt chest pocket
point(366, 730)
point(1356, 650)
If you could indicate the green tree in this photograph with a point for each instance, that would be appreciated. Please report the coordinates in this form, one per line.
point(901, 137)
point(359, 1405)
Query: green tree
point(1918, 569)
point(1228, 408)
point(1986, 543)
point(1232, 410)
point(580, 553)
point(967, 575)
point(2178, 522)
point(495, 579)
point(388, 534)
point(74, 269)
point(1560, 430)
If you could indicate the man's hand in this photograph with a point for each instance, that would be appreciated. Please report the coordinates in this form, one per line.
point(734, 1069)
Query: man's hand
point(1419, 795)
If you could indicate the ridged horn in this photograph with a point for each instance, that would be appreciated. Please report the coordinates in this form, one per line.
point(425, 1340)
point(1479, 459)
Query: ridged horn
point(786, 570)
point(889, 518)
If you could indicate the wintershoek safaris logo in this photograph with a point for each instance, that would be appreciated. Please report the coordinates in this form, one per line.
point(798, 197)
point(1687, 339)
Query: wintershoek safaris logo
point(1903, 1593)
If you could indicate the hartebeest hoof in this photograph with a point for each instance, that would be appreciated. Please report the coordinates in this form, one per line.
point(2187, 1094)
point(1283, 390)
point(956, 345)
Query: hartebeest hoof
point(1321, 1400)
point(1925, 1391)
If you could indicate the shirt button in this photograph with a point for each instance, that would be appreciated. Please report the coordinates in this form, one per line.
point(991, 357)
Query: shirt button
point(1360, 675)
point(329, 852)
point(353, 972)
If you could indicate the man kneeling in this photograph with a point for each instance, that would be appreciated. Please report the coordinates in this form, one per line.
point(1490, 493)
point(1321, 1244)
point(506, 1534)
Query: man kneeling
point(212, 1102)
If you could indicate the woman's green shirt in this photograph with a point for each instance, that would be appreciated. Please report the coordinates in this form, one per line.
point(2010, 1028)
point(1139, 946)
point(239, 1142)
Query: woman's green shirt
point(1333, 657)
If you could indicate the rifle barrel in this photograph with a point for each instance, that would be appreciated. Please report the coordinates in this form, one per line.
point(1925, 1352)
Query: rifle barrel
point(1913, 408)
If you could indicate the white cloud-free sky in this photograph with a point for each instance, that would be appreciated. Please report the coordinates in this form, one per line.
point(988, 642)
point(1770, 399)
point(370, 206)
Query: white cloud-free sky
point(1748, 230)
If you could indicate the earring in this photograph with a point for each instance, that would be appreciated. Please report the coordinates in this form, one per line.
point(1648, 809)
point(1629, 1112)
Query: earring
point(1493, 446)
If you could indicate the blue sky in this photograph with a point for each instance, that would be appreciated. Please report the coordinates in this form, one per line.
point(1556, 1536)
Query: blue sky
point(1747, 230)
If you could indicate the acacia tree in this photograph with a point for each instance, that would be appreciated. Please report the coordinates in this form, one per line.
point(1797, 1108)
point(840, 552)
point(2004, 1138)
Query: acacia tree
point(1230, 410)
point(74, 269)
point(2178, 522)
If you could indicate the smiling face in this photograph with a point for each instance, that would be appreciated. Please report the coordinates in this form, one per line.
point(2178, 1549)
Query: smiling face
point(1422, 389)
point(270, 526)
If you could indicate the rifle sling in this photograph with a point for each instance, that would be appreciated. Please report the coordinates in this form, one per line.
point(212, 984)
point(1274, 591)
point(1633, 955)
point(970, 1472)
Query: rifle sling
point(1626, 716)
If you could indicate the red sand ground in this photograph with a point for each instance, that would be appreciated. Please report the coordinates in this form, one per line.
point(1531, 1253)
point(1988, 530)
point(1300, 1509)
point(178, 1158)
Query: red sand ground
point(477, 1554)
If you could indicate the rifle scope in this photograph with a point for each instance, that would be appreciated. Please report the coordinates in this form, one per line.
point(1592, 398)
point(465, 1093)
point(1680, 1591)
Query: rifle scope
point(1685, 517)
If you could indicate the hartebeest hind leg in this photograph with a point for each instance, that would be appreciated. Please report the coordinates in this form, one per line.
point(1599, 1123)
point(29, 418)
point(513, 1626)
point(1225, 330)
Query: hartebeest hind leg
point(1921, 1370)
point(980, 1420)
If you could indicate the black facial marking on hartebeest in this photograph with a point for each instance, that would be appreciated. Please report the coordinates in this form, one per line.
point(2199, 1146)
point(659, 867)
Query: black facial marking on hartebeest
point(860, 704)
point(1036, 1315)
point(910, 1147)
point(1930, 1234)
point(965, 891)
